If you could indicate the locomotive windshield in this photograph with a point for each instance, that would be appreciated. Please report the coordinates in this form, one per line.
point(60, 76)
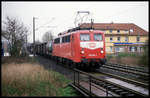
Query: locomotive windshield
point(98, 37)
point(84, 37)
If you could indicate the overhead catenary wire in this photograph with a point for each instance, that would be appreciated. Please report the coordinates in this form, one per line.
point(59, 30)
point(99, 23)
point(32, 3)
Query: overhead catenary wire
point(46, 24)
point(72, 17)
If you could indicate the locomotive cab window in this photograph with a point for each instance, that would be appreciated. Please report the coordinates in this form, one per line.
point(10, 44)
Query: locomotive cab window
point(98, 37)
point(84, 37)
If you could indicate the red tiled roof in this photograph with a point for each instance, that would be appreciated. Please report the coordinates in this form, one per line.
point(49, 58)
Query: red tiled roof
point(117, 26)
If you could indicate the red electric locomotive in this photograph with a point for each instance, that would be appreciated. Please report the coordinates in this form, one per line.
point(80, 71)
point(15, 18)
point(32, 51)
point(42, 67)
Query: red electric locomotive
point(84, 48)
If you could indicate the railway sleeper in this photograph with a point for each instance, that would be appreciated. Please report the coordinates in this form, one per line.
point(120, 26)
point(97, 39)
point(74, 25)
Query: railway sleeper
point(118, 90)
point(109, 87)
point(102, 84)
point(113, 88)
point(94, 81)
point(98, 83)
point(105, 86)
point(124, 93)
point(130, 95)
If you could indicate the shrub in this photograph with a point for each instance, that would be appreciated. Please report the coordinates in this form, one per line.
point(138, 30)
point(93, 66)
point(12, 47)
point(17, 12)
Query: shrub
point(144, 58)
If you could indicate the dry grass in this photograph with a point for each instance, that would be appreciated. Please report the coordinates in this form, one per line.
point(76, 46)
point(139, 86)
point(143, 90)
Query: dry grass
point(125, 60)
point(28, 80)
point(13, 72)
point(135, 59)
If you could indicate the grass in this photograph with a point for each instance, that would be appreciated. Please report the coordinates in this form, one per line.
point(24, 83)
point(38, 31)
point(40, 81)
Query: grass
point(128, 55)
point(120, 55)
point(127, 58)
point(31, 79)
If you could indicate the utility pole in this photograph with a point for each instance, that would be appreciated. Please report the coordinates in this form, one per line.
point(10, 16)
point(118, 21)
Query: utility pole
point(26, 44)
point(34, 36)
point(34, 33)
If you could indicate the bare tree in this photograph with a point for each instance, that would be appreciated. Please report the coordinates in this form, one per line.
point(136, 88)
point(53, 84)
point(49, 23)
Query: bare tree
point(47, 36)
point(15, 32)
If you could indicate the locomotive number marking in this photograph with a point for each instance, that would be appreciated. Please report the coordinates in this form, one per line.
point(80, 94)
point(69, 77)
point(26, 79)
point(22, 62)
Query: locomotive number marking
point(92, 55)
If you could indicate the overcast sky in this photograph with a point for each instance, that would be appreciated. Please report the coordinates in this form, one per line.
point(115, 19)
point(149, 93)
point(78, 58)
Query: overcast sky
point(60, 16)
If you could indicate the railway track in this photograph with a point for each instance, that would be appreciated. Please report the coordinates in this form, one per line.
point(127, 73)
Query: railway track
point(131, 69)
point(128, 76)
point(114, 88)
point(131, 74)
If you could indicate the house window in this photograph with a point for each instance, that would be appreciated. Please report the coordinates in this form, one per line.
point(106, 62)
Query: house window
point(121, 49)
point(118, 39)
point(126, 31)
point(131, 30)
point(117, 49)
point(118, 31)
point(111, 39)
point(132, 49)
point(141, 49)
point(126, 39)
point(137, 38)
point(135, 48)
point(110, 31)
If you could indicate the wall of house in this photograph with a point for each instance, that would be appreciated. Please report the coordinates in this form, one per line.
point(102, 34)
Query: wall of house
point(116, 32)
point(131, 39)
point(142, 39)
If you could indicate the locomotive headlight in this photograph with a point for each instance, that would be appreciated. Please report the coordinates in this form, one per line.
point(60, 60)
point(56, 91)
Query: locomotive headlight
point(82, 52)
point(102, 50)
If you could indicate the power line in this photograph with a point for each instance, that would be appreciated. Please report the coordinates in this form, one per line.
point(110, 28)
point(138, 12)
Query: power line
point(73, 16)
point(45, 23)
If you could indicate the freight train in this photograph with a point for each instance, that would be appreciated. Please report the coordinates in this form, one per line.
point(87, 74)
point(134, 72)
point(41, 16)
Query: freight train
point(78, 47)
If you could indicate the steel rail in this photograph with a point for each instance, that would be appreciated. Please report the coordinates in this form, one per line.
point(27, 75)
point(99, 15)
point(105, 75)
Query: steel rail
point(139, 69)
point(128, 71)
